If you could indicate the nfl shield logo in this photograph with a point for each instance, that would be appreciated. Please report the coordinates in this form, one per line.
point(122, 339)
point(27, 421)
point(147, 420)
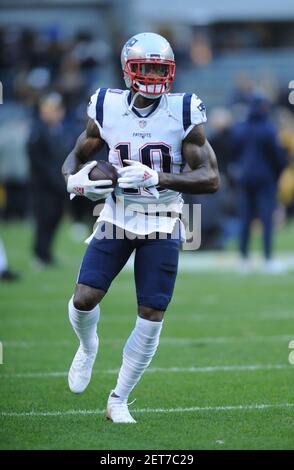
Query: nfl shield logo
point(142, 124)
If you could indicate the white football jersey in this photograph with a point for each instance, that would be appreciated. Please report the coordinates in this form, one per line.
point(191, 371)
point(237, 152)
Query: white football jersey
point(154, 139)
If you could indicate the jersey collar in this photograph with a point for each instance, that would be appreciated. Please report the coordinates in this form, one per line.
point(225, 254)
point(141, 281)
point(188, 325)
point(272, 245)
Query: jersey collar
point(154, 107)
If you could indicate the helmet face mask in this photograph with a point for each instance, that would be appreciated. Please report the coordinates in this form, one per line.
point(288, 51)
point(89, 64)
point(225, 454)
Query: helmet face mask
point(152, 77)
point(148, 64)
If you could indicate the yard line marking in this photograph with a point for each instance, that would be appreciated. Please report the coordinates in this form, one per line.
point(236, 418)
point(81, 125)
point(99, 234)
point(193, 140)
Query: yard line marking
point(219, 261)
point(174, 341)
point(221, 368)
point(255, 406)
point(224, 368)
point(225, 339)
point(222, 262)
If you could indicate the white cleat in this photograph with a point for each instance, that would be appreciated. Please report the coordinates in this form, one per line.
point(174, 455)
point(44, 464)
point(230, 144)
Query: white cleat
point(80, 370)
point(117, 410)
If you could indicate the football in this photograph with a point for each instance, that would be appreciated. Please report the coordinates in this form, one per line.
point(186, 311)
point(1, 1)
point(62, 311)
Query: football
point(104, 171)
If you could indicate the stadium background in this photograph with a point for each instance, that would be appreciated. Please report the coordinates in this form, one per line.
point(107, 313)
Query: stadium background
point(221, 378)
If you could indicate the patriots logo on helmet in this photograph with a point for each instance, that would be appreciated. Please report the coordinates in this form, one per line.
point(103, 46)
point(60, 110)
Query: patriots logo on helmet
point(131, 42)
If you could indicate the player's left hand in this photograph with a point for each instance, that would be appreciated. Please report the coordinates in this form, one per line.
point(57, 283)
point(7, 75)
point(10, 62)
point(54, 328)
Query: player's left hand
point(137, 175)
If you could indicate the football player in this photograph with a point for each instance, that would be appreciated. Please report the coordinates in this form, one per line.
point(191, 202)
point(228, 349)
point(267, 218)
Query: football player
point(151, 134)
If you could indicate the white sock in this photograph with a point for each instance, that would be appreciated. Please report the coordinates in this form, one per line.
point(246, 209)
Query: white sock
point(3, 259)
point(137, 355)
point(84, 324)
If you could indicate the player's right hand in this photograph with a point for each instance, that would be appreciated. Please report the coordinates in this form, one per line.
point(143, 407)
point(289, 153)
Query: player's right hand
point(79, 184)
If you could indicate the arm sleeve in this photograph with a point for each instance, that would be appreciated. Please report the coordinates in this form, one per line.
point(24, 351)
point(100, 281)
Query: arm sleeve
point(197, 114)
point(91, 109)
point(95, 109)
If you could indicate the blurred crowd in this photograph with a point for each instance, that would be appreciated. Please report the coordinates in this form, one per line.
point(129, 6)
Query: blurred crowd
point(47, 80)
point(33, 62)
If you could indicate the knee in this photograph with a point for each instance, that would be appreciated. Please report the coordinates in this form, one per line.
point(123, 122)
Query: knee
point(86, 298)
point(149, 313)
point(84, 302)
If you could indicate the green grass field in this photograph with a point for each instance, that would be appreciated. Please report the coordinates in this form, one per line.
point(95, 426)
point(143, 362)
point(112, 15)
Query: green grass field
point(221, 378)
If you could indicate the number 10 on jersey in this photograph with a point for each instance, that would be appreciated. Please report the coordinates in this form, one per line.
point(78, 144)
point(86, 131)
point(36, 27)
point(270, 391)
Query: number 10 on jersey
point(156, 155)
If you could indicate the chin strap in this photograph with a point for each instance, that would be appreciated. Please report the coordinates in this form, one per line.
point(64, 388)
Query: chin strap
point(149, 95)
